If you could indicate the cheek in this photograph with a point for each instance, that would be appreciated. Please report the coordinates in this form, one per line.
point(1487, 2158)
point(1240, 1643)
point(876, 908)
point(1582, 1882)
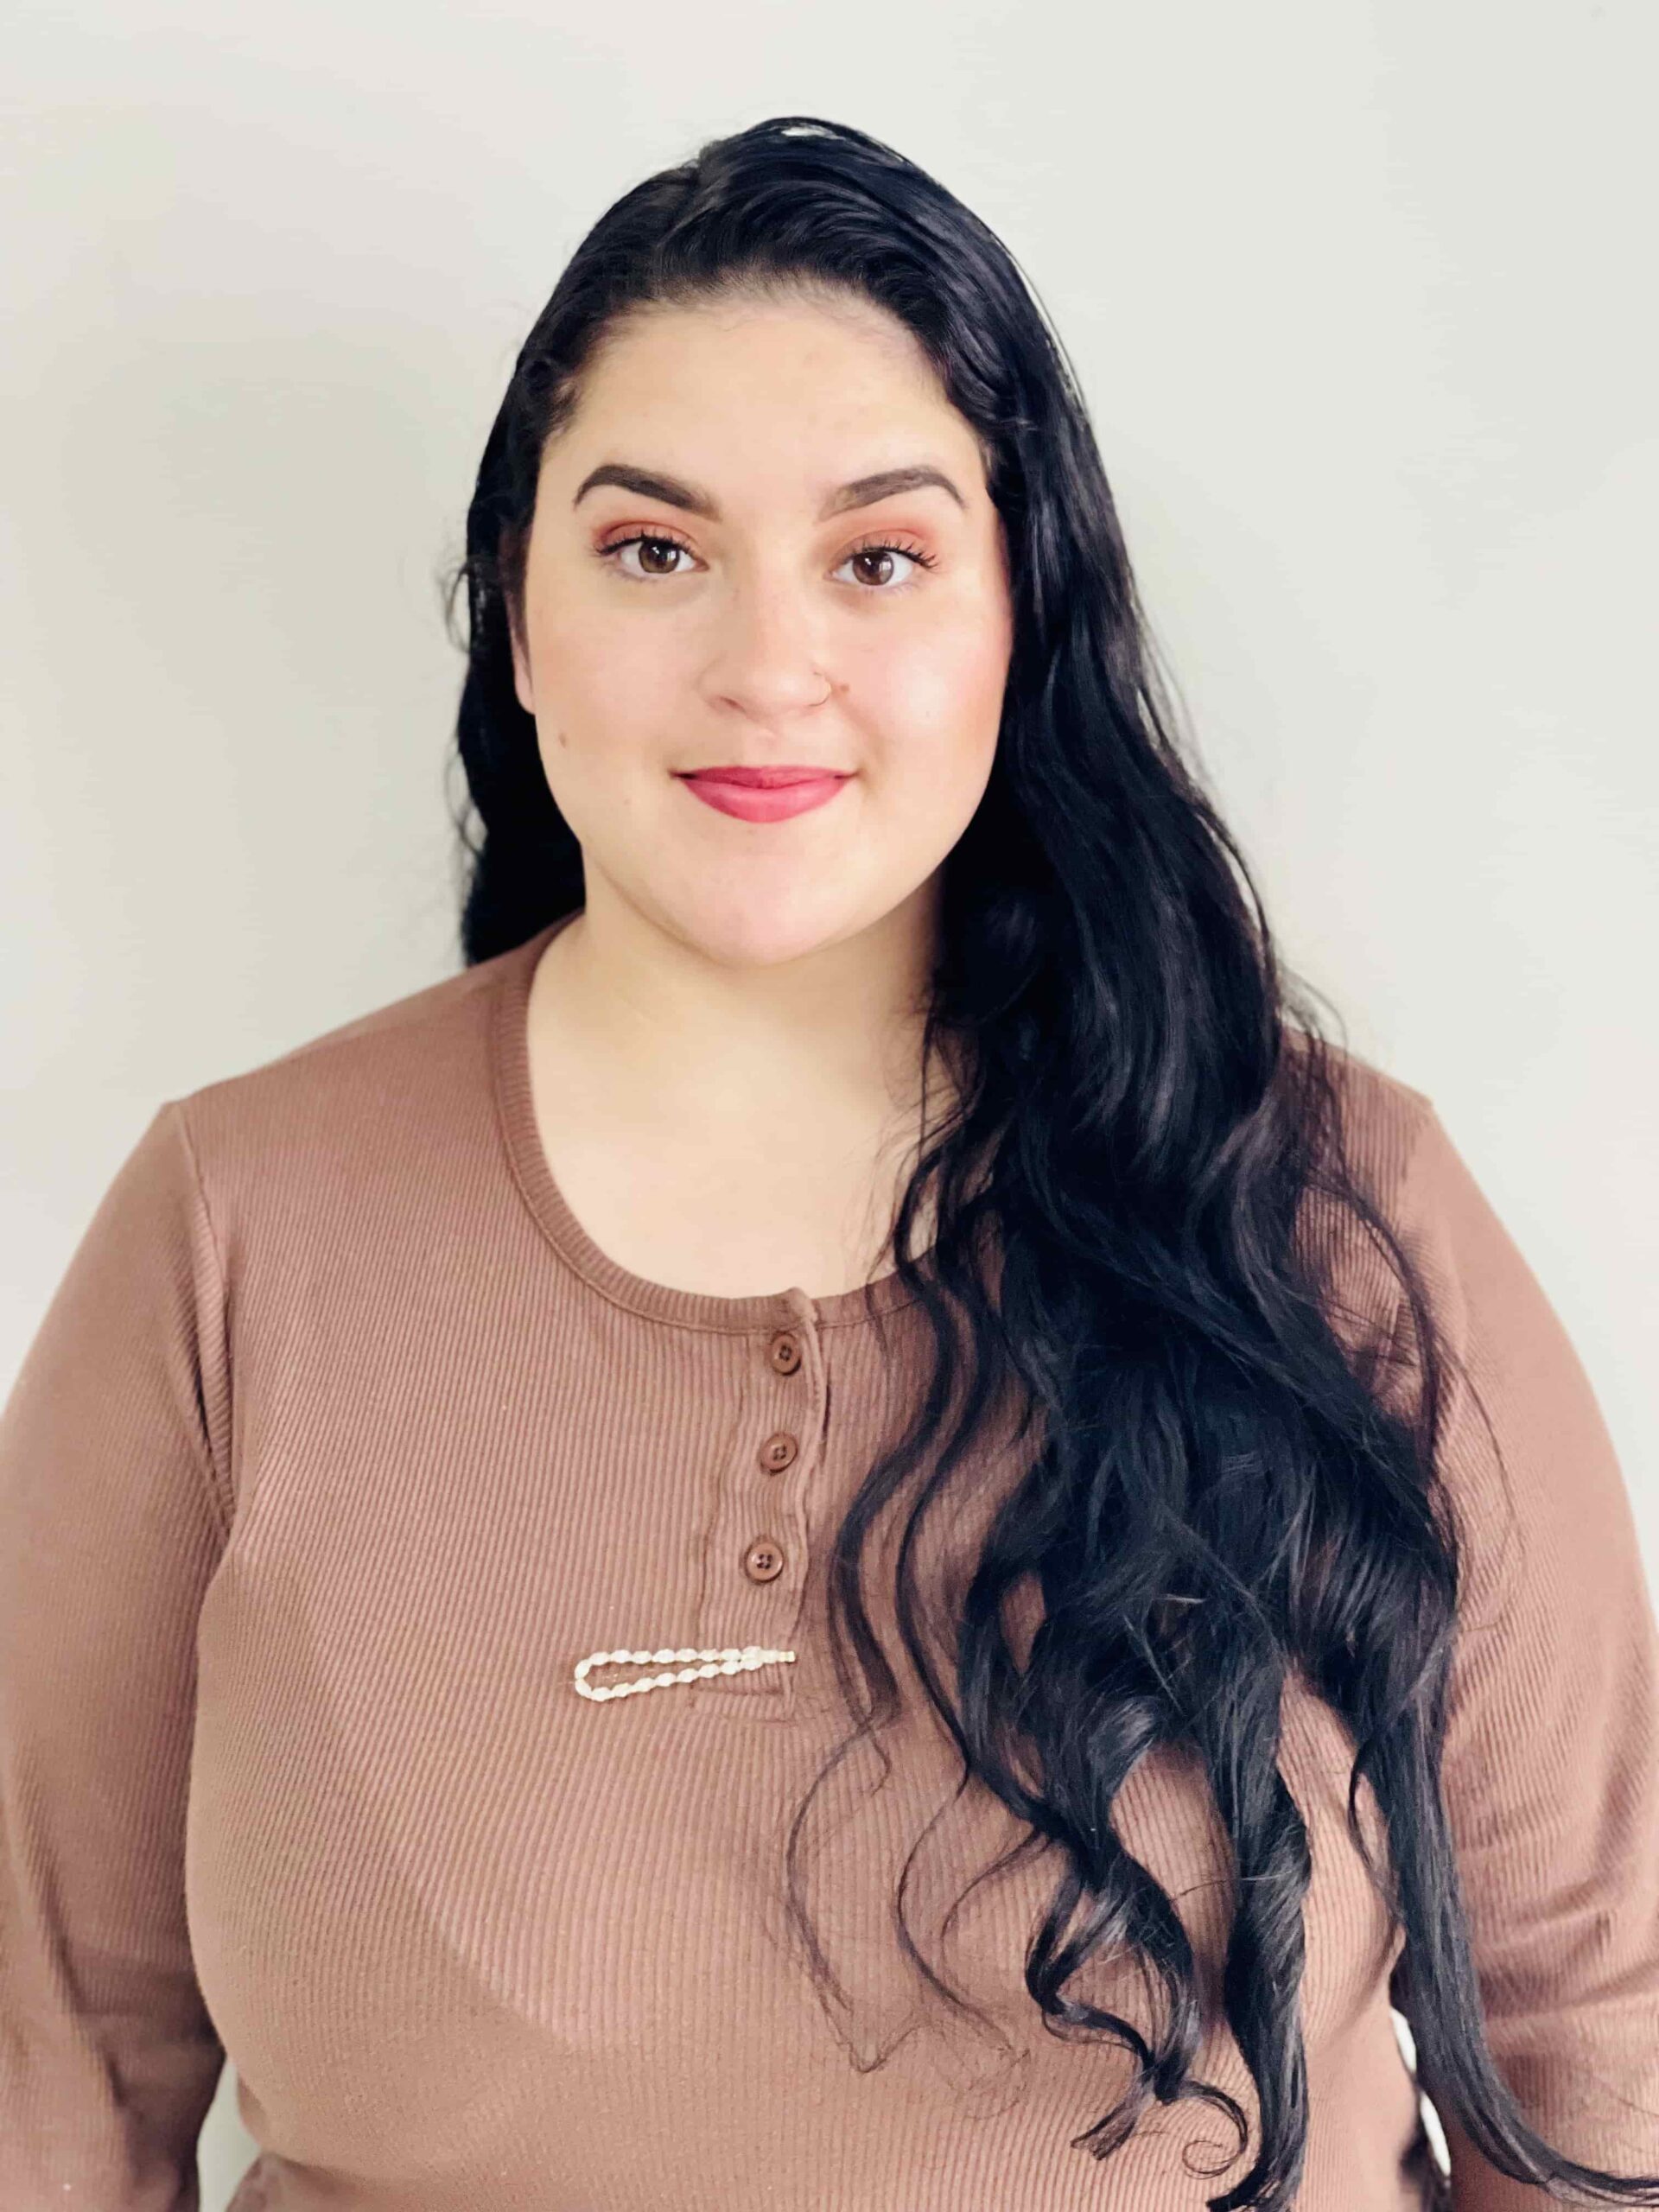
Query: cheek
point(606, 695)
point(932, 704)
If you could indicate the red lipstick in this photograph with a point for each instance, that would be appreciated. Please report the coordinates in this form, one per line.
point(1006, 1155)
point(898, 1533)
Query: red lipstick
point(771, 794)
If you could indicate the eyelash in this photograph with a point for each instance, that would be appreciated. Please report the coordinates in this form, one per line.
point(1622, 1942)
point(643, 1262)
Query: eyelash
point(871, 545)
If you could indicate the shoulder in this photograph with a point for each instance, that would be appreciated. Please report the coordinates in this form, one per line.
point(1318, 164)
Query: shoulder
point(1511, 1362)
point(1383, 1120)
point(1383, 1130)
point(384, 1094)
point(1417, 1175)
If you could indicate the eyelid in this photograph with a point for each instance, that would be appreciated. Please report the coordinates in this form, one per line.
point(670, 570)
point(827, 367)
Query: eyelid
point(633, 534)
point(888, 540)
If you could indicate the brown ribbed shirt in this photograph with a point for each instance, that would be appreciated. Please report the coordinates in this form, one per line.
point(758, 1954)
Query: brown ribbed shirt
point(341, 1444)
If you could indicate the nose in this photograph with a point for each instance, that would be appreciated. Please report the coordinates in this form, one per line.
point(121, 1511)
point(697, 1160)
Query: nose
point(766, 659)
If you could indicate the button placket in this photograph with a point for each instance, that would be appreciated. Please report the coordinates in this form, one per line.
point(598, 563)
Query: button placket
point(755, 1570)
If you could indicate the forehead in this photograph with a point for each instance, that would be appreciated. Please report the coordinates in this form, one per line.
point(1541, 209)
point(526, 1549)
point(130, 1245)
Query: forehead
point(831, 385)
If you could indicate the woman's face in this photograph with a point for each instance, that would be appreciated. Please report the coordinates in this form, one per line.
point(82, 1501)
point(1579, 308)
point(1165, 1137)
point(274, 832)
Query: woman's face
point(762, 602)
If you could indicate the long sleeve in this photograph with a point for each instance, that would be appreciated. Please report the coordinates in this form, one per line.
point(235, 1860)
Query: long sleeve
point(111, 1520)
point(1551, 1773)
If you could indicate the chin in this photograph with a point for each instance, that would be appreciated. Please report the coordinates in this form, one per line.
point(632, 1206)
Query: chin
point(753, 931)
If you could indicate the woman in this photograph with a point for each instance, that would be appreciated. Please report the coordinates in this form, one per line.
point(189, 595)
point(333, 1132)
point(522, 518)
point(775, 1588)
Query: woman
point(997, 1722)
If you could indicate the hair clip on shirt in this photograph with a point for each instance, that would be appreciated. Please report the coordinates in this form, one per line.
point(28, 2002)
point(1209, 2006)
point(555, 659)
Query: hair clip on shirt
point(730, 1659)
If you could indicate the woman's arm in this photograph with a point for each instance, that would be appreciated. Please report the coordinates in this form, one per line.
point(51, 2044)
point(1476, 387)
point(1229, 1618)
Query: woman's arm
point(1552, 1763)
point(112, 1517)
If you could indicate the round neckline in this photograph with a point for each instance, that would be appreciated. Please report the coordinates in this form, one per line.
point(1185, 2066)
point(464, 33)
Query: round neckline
point(659, 1301)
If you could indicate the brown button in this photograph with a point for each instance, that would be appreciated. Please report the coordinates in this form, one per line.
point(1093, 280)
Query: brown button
point(763, 1560)
point(784, 1352)
point(778, 1451)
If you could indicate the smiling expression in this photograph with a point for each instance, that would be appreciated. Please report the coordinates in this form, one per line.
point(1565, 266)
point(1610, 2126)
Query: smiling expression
point(764, 541)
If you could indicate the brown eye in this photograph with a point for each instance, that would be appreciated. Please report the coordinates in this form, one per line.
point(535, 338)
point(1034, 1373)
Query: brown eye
point(655, 555)
point(873, 567)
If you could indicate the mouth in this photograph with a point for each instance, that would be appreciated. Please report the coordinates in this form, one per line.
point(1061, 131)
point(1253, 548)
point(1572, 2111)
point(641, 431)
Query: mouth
point(768, 794)
point(764, 778)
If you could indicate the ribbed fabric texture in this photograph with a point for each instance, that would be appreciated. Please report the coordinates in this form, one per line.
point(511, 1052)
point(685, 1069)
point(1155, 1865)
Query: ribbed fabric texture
point(341, 1443)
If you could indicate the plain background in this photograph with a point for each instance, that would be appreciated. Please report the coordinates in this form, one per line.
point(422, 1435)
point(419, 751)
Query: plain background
point(1355, 290)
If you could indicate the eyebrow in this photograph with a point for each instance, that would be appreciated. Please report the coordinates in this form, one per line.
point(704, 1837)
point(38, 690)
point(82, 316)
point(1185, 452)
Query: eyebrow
point(862, 492)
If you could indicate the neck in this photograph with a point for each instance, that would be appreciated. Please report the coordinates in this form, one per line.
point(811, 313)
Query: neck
point(836, 1030)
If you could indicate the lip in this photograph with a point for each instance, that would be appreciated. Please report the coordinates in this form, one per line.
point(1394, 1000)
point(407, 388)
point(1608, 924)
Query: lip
point(771, 794)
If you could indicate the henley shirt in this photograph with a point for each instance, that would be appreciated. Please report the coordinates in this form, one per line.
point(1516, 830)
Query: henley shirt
point(340, 1447)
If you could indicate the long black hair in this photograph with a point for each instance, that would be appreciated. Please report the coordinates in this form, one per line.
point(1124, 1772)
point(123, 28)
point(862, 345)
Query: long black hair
point(1216, 1493)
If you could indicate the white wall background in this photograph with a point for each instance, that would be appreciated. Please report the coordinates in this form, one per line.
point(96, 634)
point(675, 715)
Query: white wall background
point(1356, 290)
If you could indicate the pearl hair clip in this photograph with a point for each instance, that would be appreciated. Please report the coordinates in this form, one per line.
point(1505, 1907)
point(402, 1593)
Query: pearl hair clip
point(730, 1659)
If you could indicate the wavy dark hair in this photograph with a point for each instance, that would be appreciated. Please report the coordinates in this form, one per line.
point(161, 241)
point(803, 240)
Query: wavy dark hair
point(1220, 1494)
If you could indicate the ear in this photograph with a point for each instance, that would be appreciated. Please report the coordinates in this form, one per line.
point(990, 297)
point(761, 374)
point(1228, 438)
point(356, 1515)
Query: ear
point(521, 683)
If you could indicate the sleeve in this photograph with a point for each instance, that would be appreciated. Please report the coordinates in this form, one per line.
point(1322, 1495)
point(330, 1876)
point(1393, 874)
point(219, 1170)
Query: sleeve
point(111, 1520)
point(1551, 1767)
